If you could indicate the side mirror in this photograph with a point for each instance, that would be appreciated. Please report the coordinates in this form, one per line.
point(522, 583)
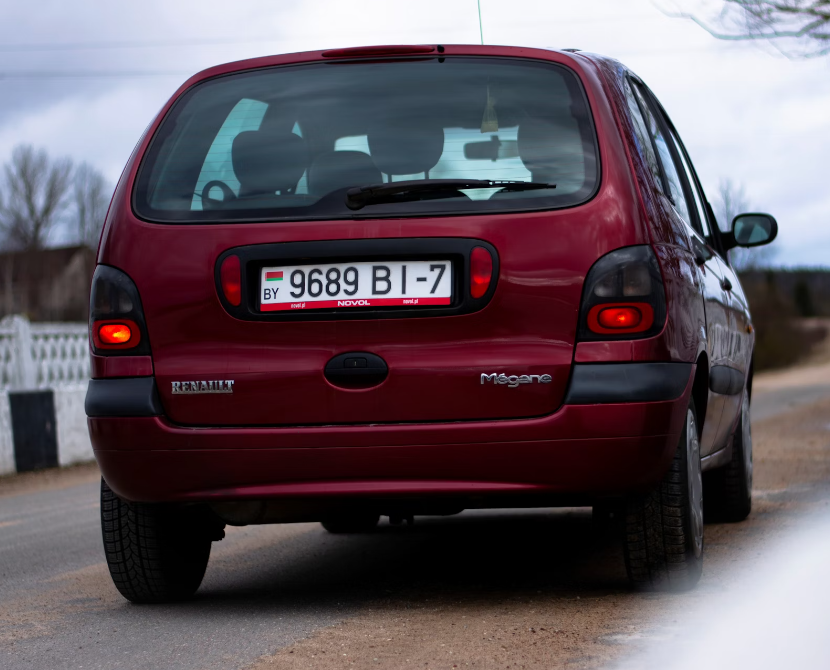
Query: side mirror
point(753, 230)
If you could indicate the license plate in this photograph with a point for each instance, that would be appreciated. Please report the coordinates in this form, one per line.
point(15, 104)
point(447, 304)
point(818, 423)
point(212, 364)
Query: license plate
point(338, 285)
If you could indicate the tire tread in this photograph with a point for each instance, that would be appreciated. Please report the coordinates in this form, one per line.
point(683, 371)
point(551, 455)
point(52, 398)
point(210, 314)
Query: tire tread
point(150, 557)
point(656, 541)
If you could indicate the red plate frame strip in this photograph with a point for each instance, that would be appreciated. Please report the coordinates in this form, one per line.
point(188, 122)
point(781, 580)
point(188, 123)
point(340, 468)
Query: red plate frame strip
point(361, 302)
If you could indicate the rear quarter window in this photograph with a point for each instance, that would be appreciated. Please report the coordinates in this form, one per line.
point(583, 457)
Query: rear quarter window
point(289, 142)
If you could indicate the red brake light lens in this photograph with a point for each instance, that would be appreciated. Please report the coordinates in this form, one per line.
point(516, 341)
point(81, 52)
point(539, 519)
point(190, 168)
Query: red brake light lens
point(621, 318)
point(230, 276)
point(115, 333)
point(481, 271)
point(390, 50)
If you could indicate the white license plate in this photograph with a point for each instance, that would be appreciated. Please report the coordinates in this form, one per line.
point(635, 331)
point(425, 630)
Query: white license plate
point(338, 285)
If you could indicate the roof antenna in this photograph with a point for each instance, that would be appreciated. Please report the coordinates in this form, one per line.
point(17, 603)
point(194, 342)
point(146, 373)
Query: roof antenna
point(480, 29)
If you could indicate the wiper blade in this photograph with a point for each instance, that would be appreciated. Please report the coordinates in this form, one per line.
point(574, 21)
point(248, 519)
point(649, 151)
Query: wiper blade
point(360, 196)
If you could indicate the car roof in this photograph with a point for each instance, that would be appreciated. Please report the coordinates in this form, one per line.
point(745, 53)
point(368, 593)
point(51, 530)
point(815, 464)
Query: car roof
point(574, 58)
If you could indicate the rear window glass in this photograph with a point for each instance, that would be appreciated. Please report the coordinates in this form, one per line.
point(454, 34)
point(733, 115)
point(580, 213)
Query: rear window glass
point(289, 142)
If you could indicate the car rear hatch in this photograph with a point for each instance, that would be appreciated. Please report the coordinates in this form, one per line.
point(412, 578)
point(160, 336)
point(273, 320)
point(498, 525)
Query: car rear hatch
point(281, 294)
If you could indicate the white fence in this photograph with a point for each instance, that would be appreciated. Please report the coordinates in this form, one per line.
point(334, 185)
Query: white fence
point(36, 357)
point(42, 355)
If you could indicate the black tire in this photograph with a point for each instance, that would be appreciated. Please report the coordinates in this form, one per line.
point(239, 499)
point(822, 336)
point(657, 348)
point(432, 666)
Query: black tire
point(155, 553)
point(664, 528)
point(728, 490)
point(353, 522)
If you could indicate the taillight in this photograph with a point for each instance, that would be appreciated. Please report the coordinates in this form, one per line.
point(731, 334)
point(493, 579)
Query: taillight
point(623, 296)
point(481, 271)
point(116, 319)
point(230, 277)
point(121, 334)
point(618, 319)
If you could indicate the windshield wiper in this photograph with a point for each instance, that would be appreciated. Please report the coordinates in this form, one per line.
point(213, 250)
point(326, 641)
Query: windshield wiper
point(401, 191)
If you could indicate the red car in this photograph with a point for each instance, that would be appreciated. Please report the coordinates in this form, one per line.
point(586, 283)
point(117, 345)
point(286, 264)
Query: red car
point(414, 280)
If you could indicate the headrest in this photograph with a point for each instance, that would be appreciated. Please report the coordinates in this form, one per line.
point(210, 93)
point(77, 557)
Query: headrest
point(266, 161)
point(401, 147)
point(335, 170)
point(551, 150)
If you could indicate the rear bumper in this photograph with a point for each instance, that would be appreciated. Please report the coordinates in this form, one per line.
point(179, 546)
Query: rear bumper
point(582, 449)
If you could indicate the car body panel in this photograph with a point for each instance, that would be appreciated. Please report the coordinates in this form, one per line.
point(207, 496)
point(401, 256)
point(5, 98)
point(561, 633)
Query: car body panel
point(435, 364)
point(603, 449)
point(432, 429)
point(709, 320)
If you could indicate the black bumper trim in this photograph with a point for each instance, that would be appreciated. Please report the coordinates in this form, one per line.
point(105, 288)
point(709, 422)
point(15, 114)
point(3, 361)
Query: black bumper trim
point(596, 383)
point(133, 396)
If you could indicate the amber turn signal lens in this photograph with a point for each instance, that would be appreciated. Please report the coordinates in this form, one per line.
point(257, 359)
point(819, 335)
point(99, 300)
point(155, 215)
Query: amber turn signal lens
point(481, 271)
point(115, 333)
point(620, 317)
point(230, 276)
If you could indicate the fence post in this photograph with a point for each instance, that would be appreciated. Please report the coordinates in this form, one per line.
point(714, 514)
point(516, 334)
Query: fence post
point(24, 372)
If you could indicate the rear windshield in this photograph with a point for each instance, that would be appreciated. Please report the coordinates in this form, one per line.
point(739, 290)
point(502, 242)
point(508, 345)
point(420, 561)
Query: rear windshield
point(290, 142)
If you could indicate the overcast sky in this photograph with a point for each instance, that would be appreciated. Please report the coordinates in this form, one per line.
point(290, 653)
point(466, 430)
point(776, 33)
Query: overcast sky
point(85, 78)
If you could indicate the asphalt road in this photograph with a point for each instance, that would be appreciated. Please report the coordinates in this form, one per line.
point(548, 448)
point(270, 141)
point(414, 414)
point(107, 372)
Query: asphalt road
point(295, 596)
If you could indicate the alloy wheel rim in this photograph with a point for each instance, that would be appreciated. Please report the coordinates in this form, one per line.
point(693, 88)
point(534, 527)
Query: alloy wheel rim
point(695, 483)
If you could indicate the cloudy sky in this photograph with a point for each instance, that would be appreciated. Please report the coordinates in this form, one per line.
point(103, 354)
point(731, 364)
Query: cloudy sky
point(85, 78)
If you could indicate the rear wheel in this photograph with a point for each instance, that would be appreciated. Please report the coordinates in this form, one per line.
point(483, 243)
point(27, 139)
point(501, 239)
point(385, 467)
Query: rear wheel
point(664, 529)
point(728, 490)
point(353, 522)
point(155, 553)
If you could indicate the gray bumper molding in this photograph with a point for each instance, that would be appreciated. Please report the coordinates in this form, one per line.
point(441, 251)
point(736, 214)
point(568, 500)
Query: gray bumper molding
point(594, 383)
point(133, 396)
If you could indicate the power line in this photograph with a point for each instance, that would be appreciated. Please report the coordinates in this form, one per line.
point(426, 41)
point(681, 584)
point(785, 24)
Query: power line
point(151, 44)
point(47, 74)
point(178, 42)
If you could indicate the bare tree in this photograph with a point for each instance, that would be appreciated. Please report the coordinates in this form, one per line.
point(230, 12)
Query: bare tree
point(730, 201)
point(91, 194)
point(33, 192)
point(798, 28)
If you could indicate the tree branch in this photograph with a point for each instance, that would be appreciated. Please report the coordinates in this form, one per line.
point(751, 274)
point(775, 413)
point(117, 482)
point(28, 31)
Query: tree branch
point(804, 22)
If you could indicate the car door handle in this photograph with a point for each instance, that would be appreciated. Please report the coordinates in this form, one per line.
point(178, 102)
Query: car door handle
point(726, 285)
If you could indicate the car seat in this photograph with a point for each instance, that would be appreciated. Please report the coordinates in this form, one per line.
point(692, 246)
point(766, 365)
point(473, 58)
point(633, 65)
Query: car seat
point(405, 147)
point(265, 162)
point(552, 150)
point(337, 170)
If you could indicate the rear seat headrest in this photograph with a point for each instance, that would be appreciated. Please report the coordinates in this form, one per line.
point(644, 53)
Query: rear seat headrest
point(335, 170)
point(266, 161)
point(550, 150)
point(401, 147)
